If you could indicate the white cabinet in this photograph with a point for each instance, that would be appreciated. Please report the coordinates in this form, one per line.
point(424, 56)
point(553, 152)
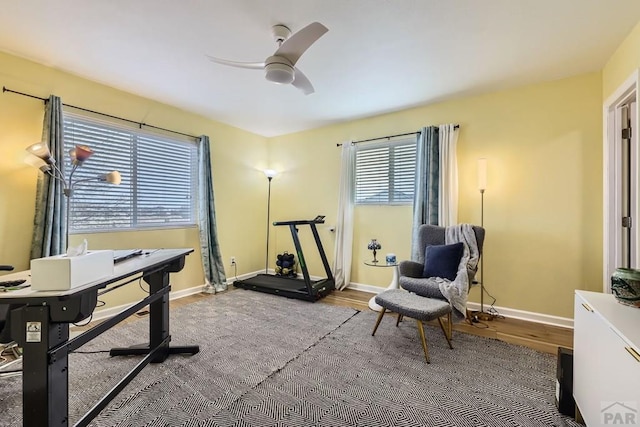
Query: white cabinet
point(606, 360)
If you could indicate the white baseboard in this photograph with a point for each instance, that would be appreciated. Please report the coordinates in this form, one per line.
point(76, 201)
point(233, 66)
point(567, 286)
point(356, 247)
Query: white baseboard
point(111, 311)
point(512, 313)
point(230, 280)
point(174, 295)
point(530, 316)
point(365, 288)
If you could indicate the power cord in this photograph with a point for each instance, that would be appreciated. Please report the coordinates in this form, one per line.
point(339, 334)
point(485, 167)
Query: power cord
point(140, 285)
point(5, 363)
point(477, 320)
point(3, 359)
point(477, 323)
point(492, 310)
point(100, 303)
point(85, 323)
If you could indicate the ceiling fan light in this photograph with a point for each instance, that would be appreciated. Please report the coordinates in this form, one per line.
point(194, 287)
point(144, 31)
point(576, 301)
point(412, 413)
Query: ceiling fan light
point(279, 73)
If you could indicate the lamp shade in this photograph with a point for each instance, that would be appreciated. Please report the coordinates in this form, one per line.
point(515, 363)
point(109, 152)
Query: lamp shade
point(40, 149)
point(112, 177)
point(482, 174)
point(80, 153)
point(374, 245)
point(37, 162)
point(270, 173)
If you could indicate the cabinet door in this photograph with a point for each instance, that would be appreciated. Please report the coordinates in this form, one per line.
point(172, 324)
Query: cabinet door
point(604, 371)
point(589, 365)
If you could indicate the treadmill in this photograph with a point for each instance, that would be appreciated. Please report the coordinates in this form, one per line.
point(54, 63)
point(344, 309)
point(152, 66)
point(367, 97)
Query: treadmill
point(291, 287)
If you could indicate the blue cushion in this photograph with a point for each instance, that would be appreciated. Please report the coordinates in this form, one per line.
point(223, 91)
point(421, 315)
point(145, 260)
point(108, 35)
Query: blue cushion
point(443, 260)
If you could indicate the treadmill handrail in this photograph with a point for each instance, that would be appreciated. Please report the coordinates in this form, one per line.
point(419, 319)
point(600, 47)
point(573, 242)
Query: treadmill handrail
point(301, 222)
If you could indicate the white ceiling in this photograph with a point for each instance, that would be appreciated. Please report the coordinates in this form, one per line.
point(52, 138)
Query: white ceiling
point(378, 56)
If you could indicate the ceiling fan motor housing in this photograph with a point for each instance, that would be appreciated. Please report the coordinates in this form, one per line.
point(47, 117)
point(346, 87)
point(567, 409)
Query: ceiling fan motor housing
point(280, 33)
point(279, 70)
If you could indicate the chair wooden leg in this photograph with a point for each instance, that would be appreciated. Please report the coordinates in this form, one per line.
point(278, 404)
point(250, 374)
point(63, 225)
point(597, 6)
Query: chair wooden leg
point(446, 329)
point(375, 328)
point(424, 340)
point(399, 319)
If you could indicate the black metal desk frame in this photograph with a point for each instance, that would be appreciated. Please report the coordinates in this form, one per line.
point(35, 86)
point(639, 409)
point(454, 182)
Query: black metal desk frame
point(45, 361)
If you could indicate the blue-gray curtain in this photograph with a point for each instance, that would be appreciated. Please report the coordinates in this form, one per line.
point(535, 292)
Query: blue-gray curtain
point(425, 198)
point(214, 275)
point(49, 224)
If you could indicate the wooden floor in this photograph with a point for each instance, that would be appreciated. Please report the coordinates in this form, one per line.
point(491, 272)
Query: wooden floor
point(538, 336)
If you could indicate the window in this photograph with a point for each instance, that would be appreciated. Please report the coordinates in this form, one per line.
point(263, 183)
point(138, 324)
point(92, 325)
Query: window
point(159, 176)
point(385, 172)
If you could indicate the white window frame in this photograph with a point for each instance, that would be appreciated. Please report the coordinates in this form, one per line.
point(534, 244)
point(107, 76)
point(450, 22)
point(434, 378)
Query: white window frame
point(370, 181)
point(165, 162)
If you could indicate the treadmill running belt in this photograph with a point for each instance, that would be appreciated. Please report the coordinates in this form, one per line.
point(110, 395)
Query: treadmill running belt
point(276, 282)
point(286, 286)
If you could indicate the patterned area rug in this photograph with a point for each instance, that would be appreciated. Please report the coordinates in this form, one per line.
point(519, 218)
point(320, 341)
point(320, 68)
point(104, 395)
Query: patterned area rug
point(271, 361)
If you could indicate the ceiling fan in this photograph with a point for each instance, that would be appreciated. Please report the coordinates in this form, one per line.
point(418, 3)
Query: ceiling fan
point(280, 67)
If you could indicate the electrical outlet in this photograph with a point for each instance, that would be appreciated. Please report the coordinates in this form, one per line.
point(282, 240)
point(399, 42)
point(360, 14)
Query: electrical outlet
point(233, 260)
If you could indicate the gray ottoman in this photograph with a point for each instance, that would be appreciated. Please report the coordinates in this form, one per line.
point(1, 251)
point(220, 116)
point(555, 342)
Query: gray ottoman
point(417, 307)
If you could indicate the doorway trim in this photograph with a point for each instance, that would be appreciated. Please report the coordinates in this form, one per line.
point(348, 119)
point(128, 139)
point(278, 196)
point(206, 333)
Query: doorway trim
point(612, 191)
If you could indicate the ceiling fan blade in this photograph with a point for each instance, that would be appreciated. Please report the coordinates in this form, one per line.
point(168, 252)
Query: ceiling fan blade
point(293, 47)
point(302, 82)
point(249, 65)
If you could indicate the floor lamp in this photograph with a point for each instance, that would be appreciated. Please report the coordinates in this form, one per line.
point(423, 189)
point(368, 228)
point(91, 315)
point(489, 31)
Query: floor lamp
point(270, 173)
point(42, 159)
point(482, 186)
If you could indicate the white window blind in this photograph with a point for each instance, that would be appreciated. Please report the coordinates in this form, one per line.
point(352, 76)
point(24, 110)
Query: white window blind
point(385, 172)
point(159, 176)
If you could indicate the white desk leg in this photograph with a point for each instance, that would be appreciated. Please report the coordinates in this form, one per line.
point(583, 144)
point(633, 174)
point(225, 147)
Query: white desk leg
point(393, 285)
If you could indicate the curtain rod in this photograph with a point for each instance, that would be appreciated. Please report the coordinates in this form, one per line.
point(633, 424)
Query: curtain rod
point(389, 137)
point(140, 124)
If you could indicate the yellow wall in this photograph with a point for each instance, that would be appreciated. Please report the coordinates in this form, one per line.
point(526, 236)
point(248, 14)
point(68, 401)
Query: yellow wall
point(238, 158)
point(543, 204)
point(622, 63)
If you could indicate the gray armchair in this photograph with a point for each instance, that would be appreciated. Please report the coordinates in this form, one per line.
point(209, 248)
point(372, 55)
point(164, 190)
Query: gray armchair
point(410, 272)
point(424, 301)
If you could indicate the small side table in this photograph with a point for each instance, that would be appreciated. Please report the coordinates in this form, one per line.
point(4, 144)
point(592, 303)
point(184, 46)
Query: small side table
point(394, 281)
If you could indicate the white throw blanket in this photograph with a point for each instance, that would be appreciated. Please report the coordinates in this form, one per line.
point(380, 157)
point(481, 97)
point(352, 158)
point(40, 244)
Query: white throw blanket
point(456, 291)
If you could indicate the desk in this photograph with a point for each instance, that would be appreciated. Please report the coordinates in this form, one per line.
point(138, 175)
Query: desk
point(394, 281)
point(41, 327)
